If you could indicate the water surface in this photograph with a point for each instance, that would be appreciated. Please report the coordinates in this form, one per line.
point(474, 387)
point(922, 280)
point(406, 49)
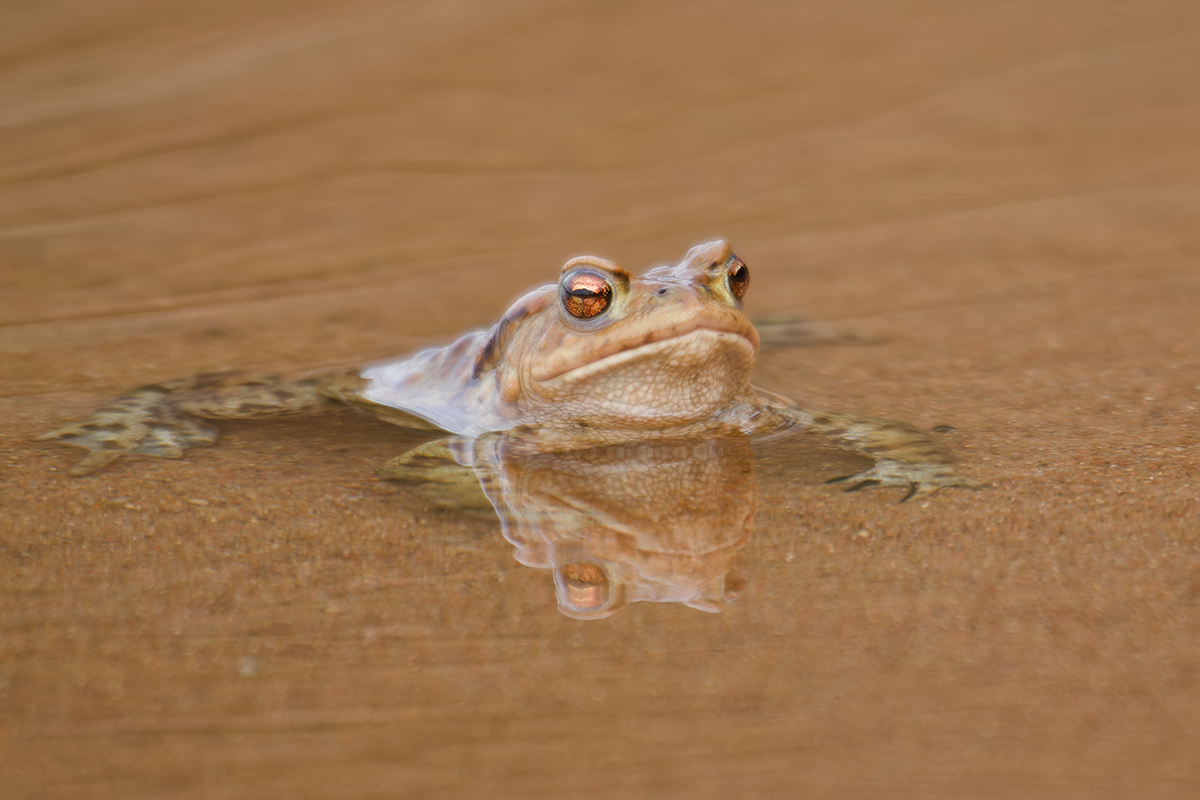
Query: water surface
point(991, 209)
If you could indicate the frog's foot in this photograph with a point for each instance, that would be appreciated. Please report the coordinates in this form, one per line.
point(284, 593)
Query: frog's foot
point(921, 480)
point(432, 472)
point(140, 422)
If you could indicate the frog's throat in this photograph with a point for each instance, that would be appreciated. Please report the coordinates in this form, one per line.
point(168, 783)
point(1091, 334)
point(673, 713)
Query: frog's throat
point(696, 346)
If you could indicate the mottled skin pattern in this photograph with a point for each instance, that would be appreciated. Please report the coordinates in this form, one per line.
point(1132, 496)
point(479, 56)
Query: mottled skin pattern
point(668, 354)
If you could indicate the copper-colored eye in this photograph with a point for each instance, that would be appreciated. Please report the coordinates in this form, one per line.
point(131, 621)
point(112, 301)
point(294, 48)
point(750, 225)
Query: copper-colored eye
point(585, 294)
point(587, 586)
point(739, 277)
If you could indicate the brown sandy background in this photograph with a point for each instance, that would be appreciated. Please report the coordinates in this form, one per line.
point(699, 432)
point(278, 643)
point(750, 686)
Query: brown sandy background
point(999, 202)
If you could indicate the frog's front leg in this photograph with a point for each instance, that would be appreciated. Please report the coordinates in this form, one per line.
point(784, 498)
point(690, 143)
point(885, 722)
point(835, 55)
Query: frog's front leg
point(434, 472)
point(904, 454)
point(163, 419)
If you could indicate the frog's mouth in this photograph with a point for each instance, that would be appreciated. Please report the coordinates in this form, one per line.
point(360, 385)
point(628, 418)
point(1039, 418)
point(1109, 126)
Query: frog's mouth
point(680, 352)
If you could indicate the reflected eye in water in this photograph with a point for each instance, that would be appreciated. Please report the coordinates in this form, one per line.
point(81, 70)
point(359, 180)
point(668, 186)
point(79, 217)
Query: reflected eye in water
point(658, 521)
point(585, 294)
point(739, 277)
point(582, 587)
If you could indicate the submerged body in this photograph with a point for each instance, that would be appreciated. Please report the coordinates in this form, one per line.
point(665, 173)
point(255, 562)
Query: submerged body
point(602, 356)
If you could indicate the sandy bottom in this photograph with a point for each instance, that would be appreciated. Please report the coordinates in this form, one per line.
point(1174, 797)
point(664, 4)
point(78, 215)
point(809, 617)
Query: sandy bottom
point(993, 211)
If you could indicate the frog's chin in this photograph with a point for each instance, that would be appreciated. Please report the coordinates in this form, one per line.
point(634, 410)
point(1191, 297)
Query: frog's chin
point(662, 384)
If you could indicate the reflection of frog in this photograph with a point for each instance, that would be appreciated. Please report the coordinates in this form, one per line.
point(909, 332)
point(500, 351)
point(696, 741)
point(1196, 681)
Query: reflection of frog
point(660, 520)
point(600, 357)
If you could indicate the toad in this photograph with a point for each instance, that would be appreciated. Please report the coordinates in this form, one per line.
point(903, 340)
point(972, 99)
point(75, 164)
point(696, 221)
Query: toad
point(600, 357)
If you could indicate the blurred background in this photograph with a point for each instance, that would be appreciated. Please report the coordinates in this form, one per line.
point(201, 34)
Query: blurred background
point(992, 208)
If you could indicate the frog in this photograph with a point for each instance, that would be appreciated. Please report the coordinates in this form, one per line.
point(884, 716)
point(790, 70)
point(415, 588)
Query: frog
point(601, 357)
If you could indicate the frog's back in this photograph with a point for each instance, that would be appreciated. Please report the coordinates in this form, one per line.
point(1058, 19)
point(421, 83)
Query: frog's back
point(438, 385)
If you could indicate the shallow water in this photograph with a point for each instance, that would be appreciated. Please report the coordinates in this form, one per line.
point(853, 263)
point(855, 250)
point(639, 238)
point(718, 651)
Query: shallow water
point(989, 212)
point(660, 520)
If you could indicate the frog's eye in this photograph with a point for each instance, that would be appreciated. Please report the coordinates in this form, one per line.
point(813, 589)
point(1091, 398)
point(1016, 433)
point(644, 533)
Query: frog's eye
point(586, 294)
point(738, 277)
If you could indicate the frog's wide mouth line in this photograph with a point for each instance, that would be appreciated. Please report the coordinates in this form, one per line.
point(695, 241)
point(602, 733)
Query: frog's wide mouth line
point(699, 341)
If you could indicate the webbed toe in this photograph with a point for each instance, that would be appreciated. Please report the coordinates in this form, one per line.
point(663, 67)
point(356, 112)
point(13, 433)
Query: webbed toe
point(920, 479)
point(141, 423)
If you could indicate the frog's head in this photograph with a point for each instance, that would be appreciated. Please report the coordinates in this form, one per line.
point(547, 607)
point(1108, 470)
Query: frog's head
point(606, 349)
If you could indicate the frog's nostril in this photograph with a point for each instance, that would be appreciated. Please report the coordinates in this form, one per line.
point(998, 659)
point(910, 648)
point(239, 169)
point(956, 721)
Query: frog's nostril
point(661, 291)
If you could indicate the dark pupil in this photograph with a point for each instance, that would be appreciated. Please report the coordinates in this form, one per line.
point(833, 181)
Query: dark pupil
point(586, 297)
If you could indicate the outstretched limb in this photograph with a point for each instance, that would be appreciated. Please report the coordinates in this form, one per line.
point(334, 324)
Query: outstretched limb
point(904, 455)
point(432, 471)
point(164, 419)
